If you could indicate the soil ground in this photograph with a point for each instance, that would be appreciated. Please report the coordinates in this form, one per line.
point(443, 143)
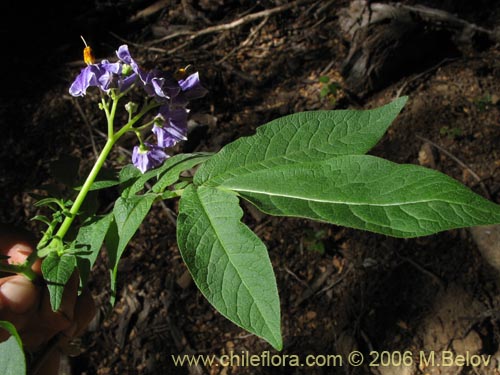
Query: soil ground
point(340, 289)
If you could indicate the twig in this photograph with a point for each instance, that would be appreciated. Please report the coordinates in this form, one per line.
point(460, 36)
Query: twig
point(290, 272)
point(440, 16)
point(150, 10)
point(421, 74)
point(137, 45)
point(335, 283)
point(327, 68)
point(434, 277)
point(459, 162)
point(312, 289)
point(380, 12)
point(246, 42)
point(231, 25)
point(367, 340)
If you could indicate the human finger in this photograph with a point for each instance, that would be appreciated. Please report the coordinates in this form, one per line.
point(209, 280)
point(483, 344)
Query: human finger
point(17, 244)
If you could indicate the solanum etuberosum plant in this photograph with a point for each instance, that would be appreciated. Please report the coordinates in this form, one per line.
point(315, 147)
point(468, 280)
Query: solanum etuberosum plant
point(311, 165)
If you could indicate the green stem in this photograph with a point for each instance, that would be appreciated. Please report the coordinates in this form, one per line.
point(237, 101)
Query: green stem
point(146, 125)
point(56, 243)
point(63, 229)
point(24, 269)
point(85, 188)
point(111, 118)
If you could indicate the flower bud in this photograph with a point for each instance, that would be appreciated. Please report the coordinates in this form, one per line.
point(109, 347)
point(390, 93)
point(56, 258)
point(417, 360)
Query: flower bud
point(131, 107)
point(127, 70)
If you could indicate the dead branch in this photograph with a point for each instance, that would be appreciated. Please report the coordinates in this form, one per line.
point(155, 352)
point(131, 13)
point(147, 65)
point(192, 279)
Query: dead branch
point(459, 162)
point(391, 41)
point(231, 25)
point(246, 42)
point(150, 10)
point(362, 13)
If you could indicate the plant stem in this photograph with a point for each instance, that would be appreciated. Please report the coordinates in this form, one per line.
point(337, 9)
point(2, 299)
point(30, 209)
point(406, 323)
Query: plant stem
point(63, 229)
point(57, 240)
point(85, 188)
point(25, 269)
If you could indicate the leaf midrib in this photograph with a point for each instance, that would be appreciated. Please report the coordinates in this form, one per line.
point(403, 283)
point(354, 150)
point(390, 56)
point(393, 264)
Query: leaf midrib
point(309, 199)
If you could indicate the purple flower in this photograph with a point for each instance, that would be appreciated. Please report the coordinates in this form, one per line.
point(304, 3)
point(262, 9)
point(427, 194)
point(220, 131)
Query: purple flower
point(99, 75)
point(124, 55)
point(192, 88)
point(148, 158)
point(156, 82)
point(173, 128)
point(162, 85)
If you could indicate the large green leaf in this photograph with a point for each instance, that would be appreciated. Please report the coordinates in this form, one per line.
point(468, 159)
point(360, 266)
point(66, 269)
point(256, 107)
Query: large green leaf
point(175, 163)
point(228, 262)
point(91, 237)
point(305, 136)
point(172, 174)
point(128, 215)
point(12, 359)
point(365, 192)
point(56, 271)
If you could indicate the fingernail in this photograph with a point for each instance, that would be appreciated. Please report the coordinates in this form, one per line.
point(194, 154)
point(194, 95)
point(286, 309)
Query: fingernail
point(19, 252)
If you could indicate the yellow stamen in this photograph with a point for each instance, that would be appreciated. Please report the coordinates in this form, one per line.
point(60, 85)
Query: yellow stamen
point(88, 56)
point(182, 72)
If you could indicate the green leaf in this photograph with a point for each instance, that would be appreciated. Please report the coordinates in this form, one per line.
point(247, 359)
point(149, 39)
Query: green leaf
point(58, 202)
point(91, 236)
point(128, 214)
point(365, 192)
point(301, 137)
point(128, 172)
point(333, 88)
point(104, 184)
point(228, 262)
point(108, 177)
point(127, 176)
point(56, 271)
point(171, 163)
point(12, 359)
point(324, 79)
point(172, 174)
point(324, 92)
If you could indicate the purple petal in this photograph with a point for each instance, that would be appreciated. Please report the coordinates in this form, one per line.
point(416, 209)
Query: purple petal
point(84, 80)
point(125, 83)
point(174, 127)
point(161, 84)
point(192, 88)
point(115, 68)
point(148, 159)
point(101, 75)
point(124, 55)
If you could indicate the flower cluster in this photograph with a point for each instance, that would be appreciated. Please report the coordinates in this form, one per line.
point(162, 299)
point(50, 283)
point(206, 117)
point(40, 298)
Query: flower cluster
point(172, 96)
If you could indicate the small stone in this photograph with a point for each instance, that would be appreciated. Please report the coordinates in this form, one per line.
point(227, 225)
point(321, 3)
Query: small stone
point(471, 343)
point(487, 239)
point(310, 315)
point(426, 156)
